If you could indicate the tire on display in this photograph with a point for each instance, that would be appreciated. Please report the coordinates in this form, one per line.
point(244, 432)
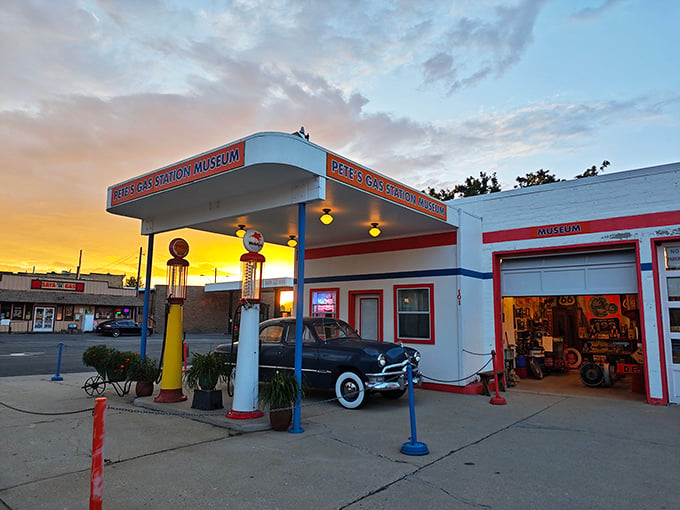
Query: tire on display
point(115, 333)
point(350, 390)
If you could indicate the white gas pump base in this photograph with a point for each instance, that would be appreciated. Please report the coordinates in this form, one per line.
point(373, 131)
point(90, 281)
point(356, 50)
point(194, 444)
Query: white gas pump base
point(244, 404)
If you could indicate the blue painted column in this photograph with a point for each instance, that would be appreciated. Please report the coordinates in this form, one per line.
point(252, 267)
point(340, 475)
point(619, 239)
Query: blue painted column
point(299, 312)
point(147, 294)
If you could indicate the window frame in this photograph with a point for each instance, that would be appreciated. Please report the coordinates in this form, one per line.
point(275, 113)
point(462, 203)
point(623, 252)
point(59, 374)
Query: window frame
point(430, 288)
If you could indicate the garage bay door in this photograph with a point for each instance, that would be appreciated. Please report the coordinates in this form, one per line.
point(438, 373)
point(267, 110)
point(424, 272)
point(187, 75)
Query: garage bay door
point(609, 272)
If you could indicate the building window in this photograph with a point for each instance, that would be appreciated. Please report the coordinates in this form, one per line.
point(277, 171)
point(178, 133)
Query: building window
point(324, 302)
point(414, 313)
point(18, 312)
point(68, 313)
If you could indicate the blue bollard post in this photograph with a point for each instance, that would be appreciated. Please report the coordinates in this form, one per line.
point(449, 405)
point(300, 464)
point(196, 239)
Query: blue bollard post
point(57, 377)
point(413, 447)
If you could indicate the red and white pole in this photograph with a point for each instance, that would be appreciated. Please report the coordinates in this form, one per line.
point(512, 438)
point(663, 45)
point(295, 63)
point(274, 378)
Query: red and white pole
point(97, 471)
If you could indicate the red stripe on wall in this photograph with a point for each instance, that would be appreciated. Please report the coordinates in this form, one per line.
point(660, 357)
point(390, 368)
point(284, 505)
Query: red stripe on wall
point(605, 225)
point(404, 243)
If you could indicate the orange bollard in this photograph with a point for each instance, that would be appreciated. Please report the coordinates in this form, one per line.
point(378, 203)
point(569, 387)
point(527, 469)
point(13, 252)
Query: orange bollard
point(97, 471)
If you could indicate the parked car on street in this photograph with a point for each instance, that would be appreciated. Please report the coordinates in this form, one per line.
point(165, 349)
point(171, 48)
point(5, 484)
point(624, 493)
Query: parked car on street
point(115, 328)
point(334, 357)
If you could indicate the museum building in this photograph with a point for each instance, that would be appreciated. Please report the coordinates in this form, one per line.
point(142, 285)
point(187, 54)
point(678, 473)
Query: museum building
point(577, 278)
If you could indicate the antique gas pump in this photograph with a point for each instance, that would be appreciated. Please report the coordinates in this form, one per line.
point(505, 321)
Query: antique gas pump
point(244, 404)
point(171, 381)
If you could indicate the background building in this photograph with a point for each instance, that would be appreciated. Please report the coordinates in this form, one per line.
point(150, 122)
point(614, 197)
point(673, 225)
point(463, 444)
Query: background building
point(63, 302)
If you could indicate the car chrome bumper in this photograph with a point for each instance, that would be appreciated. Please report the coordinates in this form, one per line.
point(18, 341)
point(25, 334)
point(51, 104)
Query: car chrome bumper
point(376, 382)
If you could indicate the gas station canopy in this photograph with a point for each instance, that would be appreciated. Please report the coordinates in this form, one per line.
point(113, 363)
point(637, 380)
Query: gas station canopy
point(258, 182)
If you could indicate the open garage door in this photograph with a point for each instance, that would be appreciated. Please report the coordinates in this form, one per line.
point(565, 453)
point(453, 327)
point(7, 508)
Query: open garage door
point(608, 272)
point(574, 316)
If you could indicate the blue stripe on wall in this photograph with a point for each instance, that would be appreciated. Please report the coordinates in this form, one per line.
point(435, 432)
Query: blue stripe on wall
point(402, 274)
point(646, 266)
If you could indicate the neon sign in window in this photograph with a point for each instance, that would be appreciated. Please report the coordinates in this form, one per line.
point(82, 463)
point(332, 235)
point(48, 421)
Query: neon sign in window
point(324, 302)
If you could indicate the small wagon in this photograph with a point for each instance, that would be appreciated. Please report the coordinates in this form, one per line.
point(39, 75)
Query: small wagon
point(95, 385)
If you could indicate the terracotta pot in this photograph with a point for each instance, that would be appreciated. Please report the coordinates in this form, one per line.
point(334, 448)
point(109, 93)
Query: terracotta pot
point(280, 420)
point(144, 388)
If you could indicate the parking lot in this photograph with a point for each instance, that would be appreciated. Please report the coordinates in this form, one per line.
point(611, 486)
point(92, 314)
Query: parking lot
point(538, 451)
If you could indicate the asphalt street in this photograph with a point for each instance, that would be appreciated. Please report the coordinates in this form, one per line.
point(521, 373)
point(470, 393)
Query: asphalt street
point(38, 354)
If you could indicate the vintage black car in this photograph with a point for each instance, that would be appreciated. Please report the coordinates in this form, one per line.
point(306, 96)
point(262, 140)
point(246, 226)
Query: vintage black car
point(334, 357)
point(116, 327)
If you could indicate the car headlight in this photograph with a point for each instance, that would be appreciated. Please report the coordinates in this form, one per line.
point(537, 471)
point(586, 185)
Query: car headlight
point(382, 361)
point(414, 356)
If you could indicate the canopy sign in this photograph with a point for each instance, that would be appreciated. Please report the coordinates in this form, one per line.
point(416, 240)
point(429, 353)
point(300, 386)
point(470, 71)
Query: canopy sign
point(204, 165)
point(372, 182)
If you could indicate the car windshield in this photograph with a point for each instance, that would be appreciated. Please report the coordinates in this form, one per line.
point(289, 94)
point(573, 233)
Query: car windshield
point(333, 329)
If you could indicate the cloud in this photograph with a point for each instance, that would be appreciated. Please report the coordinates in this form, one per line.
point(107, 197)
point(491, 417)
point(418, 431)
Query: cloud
point(474, 48)
point(591, 13)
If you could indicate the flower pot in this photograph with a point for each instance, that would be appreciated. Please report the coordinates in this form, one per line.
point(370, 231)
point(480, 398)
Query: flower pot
point(280, 419)
point(144, 388)
point(207, 400)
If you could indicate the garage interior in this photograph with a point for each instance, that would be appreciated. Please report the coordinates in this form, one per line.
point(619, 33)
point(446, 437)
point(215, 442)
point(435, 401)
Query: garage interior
point(571, 324)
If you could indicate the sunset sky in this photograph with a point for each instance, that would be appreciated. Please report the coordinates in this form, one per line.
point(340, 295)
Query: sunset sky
point(427, 92)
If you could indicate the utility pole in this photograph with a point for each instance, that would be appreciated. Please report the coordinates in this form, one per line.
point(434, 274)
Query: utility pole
point(139, 268)
point(80, 259)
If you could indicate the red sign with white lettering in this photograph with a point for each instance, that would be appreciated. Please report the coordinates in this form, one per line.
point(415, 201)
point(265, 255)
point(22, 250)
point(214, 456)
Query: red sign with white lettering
point(53, 285)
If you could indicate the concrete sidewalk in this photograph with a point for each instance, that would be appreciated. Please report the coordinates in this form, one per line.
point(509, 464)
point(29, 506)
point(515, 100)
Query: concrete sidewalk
point(538, 451)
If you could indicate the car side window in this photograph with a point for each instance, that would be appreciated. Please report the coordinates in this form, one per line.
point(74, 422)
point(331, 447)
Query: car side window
point(271, 334)
point(328, 330)
point(307, 338)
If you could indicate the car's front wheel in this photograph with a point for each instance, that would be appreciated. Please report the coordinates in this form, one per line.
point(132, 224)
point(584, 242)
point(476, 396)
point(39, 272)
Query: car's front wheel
point(350, 390)
point(115, 333)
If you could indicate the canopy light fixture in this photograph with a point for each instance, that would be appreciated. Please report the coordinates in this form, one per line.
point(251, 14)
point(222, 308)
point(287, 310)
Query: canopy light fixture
point(326, 217)
point(292, 242)
point(241, 231)
point(374, 231)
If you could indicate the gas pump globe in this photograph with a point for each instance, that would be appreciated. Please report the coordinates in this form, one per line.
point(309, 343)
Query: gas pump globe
point(244, 404)
point(178, 268)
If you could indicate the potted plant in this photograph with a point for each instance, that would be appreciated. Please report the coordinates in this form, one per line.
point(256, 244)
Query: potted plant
point(145, 372)
point(279, 394)
point(205, 372)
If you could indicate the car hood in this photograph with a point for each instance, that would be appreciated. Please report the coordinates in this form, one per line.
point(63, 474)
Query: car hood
point(393, 352)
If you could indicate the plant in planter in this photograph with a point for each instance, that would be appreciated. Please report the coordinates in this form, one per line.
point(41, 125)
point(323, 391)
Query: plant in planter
point(279, 394)
point(119, 364)
point(205, 372)
point(98, 357)
point(145, 372)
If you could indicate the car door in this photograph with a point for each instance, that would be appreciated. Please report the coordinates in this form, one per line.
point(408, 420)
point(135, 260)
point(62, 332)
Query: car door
point(310, 355)
point(272, 349)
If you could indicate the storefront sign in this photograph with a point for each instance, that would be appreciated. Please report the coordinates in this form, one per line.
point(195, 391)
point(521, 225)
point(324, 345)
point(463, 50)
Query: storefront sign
point(211, 163)
point(561, 230)
point(51, 285)
point(364, 179)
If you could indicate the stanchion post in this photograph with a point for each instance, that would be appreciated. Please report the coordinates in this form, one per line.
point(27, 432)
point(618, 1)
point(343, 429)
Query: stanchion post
point(413, 447)
point(56, 376)
point(497, 400)
point(97, 471)
point(186, 355)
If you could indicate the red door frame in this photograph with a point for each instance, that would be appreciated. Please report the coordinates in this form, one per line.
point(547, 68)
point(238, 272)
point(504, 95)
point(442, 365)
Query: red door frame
point(578, 248)
point(352, 316)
